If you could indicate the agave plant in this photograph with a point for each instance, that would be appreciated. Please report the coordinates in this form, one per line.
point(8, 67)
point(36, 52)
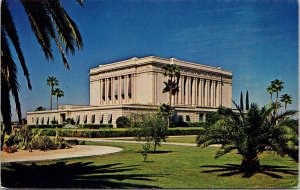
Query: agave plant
point(251, 133)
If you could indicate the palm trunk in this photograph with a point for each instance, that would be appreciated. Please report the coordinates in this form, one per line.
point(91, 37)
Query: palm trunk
point(57, 102)
point(51, 97)
point(276, 103)
point(285, 105)
point(250, 164)
point(154, 146)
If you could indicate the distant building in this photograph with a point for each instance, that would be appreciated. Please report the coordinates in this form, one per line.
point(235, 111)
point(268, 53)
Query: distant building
point(136, 84)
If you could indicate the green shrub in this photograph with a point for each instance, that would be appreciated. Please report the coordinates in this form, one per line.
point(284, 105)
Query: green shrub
point(102, 133)
point(122, 122)
point(46, 126)
point(194, 124)
point(95, 126)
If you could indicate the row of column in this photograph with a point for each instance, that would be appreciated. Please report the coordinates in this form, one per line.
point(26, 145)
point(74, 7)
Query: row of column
point(117, 90)
point(198, 91)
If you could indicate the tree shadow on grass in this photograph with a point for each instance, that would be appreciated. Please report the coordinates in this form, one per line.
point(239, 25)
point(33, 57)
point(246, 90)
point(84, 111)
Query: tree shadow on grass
point(73, 175)
point(234, 169)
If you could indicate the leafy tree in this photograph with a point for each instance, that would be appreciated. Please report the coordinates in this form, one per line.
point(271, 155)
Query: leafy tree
point(49, 21)
point(250, 133)
point(241, 102)
point(40, 108)
point(247, 100)
point(286, 99)
point(58, 93)
point(153, 128)
point(277, 86)
point(51, 81)
point(171, 86)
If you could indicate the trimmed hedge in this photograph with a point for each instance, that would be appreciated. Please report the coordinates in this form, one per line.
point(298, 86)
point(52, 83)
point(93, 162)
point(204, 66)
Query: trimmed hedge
point(115, 133)
point(86, 126)
point(95, 126)
point(46, 126)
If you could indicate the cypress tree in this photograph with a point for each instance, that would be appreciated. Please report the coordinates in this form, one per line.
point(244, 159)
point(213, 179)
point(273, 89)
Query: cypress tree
point(247, 101)
point(241, 102)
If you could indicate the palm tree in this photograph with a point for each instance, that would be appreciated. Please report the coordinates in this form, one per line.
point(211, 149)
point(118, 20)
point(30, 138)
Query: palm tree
point(277, 86)
point(171, 86)
point(287, 99)
point(58, 93)
point(49, 21)
point(270, 90)
point(250, 133)
point(51, 81)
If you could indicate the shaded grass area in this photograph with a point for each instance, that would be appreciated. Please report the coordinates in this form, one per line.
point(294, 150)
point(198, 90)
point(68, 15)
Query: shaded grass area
point(170, 167)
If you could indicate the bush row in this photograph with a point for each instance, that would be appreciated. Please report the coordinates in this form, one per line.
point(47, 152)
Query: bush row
point(114, 133)
point(85, 126)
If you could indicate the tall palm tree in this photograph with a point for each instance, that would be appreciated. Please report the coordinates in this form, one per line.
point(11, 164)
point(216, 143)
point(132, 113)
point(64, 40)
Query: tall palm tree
point(49, 21)
point(278, 86)
point(171, 86)
point(51, 81)
point(270, 90)
point(58, 93)
point(250, 133)
point(287, 99)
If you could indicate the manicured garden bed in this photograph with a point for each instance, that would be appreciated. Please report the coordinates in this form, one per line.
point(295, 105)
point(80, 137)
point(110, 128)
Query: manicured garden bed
point(170, 167)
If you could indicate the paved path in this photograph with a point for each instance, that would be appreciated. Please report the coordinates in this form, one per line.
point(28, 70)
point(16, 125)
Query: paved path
point(132, 142)
point(76, 151)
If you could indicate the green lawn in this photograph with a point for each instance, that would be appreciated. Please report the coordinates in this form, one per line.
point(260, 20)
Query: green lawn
point(171, 167)
point(186, 139)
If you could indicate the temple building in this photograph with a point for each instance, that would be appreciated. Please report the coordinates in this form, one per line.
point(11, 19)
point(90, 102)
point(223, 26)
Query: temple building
point(120, 88)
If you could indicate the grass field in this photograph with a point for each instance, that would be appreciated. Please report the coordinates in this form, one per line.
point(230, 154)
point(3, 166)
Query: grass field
point(171, 167)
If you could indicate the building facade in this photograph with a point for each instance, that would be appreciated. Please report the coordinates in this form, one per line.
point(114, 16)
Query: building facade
point(136, 84)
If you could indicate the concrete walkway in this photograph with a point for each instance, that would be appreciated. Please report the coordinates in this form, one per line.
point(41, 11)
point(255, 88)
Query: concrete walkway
point(74, 152)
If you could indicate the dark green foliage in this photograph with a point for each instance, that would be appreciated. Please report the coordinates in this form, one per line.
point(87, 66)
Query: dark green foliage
point(46, 126)
point(122, 122)
point(241, 102)
point(70, 121)
point(54, 122)
point(95, 126)
point(195, 124)
point(211, 118)
point(247, 100)
point(115, 133)
point(251, 133)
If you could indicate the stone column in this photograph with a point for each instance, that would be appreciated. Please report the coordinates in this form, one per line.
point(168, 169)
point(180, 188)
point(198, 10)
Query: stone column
point(213, 93)
point(207, 92)
point(106, 91)
point(188, 92)
point(193, 85)
point(119, 90)
point(126, 89)
point(133, 92)
point(217, 93)
point(200, 91)
point(196, 91)
point(181, 90)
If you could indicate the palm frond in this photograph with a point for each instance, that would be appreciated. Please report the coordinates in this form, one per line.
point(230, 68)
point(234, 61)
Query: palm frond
point(9, 71)
point(9, 25)
point(39, 22)
point(66, 27)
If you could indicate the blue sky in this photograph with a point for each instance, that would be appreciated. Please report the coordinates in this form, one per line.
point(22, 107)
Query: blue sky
point(256, 40)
